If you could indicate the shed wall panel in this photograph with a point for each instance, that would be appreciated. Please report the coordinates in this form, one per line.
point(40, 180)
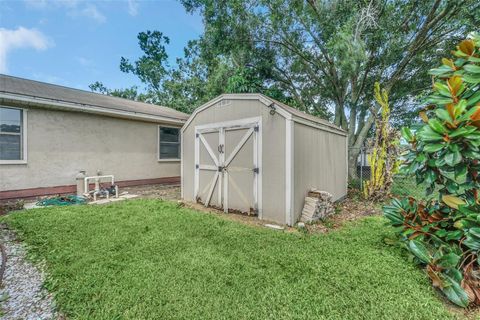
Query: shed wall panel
point(273, 151)
point(320, 162)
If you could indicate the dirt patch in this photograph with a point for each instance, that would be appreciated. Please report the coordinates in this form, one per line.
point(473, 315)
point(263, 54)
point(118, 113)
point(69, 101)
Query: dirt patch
point(7, 206)
point(154, 191)
point(353, 207)
point(239, 217)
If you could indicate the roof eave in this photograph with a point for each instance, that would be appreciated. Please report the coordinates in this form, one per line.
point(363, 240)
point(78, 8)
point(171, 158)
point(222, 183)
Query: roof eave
point(30, 101)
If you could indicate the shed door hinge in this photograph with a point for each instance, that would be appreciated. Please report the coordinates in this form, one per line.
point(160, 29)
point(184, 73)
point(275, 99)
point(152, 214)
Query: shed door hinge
point(256, 128)
point(197, 166)
point(256, 170)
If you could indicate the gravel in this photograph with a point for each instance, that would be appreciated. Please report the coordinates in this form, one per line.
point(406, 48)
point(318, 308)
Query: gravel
point(22, 295)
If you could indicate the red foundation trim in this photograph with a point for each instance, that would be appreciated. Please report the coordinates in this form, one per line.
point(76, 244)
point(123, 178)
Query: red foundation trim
point(43, 191)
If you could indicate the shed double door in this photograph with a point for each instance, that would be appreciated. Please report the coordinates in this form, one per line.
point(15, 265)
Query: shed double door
point(227, 165)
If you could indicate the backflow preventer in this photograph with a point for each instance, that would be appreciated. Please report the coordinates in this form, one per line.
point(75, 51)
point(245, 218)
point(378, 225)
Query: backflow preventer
point(83, 183)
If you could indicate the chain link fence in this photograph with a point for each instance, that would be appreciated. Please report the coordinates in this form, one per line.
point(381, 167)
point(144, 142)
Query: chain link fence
point(362, 167)
point(403, 185)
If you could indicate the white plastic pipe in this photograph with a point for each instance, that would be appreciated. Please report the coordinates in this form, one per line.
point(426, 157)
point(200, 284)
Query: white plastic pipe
point(97, 182)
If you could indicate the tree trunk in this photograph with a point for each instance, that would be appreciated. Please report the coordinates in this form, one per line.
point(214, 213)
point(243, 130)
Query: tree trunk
point(353, 154)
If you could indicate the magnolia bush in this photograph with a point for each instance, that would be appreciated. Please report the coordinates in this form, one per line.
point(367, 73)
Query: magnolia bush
point(443, 233)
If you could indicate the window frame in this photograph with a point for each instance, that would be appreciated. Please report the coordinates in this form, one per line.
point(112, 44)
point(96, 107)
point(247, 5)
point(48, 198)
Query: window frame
point(179, 144)
point(23, 137)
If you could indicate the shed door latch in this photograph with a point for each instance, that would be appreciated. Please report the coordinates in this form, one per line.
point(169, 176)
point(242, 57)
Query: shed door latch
point(220, 148)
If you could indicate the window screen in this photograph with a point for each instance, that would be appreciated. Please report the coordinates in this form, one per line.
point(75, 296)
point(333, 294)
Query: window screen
point(11, 132)
point(169, 143)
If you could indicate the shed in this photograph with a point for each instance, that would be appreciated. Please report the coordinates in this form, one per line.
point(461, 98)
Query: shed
point(250, 153)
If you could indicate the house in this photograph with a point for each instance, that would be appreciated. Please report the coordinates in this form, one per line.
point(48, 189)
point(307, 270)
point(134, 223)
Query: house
point(49, 133)
point(253, 154)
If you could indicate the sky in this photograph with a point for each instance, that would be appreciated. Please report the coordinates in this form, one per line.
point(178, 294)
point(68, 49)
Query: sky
point(77, 42)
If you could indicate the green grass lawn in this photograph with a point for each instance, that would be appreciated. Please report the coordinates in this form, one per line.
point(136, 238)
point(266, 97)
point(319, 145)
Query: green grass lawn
point(147, 259)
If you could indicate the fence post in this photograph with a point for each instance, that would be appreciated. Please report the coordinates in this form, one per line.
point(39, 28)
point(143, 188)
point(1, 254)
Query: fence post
point(361, 169)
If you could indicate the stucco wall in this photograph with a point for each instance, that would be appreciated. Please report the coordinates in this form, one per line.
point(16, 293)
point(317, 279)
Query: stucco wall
point(320, 162)
point(61, 143)
point(273, 151)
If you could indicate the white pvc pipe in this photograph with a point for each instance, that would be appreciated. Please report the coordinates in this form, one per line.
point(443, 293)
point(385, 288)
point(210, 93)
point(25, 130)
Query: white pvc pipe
point(97, 181)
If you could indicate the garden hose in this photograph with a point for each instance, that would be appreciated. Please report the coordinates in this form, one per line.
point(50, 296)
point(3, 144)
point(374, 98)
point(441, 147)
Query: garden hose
point(62, 201)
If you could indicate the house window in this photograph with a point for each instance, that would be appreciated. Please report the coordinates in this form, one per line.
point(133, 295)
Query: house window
point(12, 135)
point(169, 146)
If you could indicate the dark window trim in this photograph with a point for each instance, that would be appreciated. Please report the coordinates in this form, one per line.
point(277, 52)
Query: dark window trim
point(179, 143)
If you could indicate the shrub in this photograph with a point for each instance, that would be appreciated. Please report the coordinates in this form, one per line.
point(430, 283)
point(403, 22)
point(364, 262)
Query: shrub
point(443, 234)
point(383, 159)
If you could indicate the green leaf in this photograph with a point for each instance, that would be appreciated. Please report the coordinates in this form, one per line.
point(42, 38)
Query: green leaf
point(460, 107)
point(443, 114)
point(455, 274)
point(472, 68)
point(436, 125)
point(461, 172)
point(473, 99)
point(472, 243)
point(472, 154)
point(448, 261)
point(420, 251)
point(427, 134)
point(474, 79)
point(459, 132)
point(438, 100)
point(454, 292)
point(430, 176)
point(473, 59)
point(453, 158)
point(475, 231)
point(407, 134)
point(466, 116)
point(442, 89)
point(454, 235)
point(433, 147)
point(441, 71)
point(421, 158)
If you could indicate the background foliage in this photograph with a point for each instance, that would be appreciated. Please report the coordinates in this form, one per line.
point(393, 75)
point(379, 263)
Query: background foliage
point(321, 57)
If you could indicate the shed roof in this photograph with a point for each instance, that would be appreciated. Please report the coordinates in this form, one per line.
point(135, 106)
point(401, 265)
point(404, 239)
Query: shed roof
point(295, 114)
point(46, 94)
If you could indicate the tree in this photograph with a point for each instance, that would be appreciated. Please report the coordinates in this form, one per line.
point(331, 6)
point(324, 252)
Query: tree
point(152, 67)
point(328, 54)
point(199, 76)
point(443, 233)
point(127, 93)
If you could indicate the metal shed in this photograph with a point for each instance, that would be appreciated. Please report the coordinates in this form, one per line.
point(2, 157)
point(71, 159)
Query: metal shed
point(250, 153)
